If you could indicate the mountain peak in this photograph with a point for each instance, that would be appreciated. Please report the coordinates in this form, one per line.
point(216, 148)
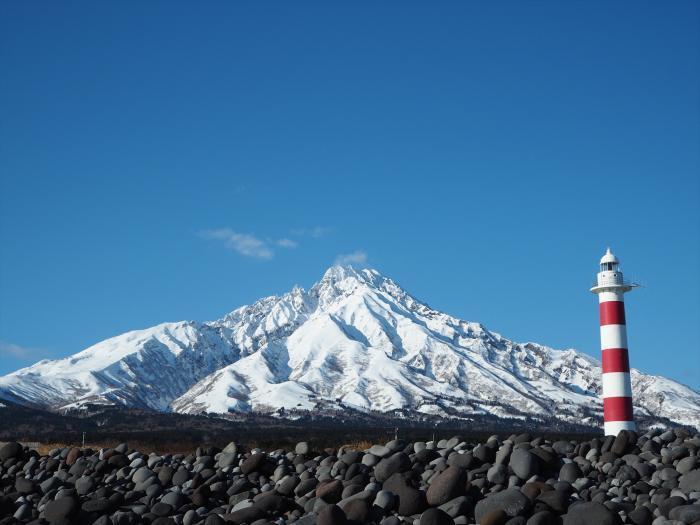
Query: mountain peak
point(338, 272)
point(341, 279)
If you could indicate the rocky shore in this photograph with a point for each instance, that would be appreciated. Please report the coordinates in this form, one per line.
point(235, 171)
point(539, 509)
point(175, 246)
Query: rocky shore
point(520, 480)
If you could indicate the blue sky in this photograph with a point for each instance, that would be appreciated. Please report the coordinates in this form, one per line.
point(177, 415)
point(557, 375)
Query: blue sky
point(163, 161)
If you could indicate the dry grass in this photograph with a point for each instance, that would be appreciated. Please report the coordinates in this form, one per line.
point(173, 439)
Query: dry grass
point(174, 448)
point(44, 448)
point(358, 445)
point(189, 446)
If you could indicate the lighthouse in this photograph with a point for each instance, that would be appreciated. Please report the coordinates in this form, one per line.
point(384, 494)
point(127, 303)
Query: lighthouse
point(610, 288)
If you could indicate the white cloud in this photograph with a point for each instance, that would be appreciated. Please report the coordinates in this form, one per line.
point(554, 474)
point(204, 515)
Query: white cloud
point(358, 258)
point(287, 243)
point(243, 243)
point(248, 244)
point(315, 231)
point(17, 351)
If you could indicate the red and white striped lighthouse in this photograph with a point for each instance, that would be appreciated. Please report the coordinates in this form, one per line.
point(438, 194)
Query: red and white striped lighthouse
point(617, 387)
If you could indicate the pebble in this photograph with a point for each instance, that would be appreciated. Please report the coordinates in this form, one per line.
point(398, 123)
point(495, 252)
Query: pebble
point(685, 513)
point(524, 463)
point(398, 462)
point(570, 472)
point(379, 450)
point(60, 509)
point(435, 516)
point(511, 501)
point(590, 513)
point(446, 486)
point(302, 448)
point(331, 515)
point(384, 500)
point(690, 481)
point(498, 474)
point(10, 450)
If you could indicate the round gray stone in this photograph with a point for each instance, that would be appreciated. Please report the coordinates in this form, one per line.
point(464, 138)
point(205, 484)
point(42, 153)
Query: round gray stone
point(10, 450)
point(524, 463)
point(84, 485)
point(142, 475)
point(331, 515)
point(590, 513)
point(380, 451)
point(226, 459)
point(497, 474)
point(384, 500)
point(398, 462)
point(686, 513)
point(435, 516)
point(690, 481)
point(511, 501)
point(570, 472)
point(60, 509)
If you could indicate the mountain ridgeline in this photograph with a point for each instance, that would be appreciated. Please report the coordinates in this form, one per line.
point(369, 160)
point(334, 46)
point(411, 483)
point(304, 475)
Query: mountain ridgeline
point(355, 339)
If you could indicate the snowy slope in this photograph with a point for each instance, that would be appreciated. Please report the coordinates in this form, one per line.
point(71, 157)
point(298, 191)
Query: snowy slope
point(354, 339)
point(141, 368)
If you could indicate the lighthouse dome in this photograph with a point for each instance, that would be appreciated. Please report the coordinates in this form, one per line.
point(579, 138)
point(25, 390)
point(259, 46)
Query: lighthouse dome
point(609, 257)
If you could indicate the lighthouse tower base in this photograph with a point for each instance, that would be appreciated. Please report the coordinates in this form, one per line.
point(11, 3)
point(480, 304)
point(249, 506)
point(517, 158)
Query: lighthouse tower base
point(612, 428)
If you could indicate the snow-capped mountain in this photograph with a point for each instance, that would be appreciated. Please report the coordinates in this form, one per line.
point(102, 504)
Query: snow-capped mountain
point(355, 339)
